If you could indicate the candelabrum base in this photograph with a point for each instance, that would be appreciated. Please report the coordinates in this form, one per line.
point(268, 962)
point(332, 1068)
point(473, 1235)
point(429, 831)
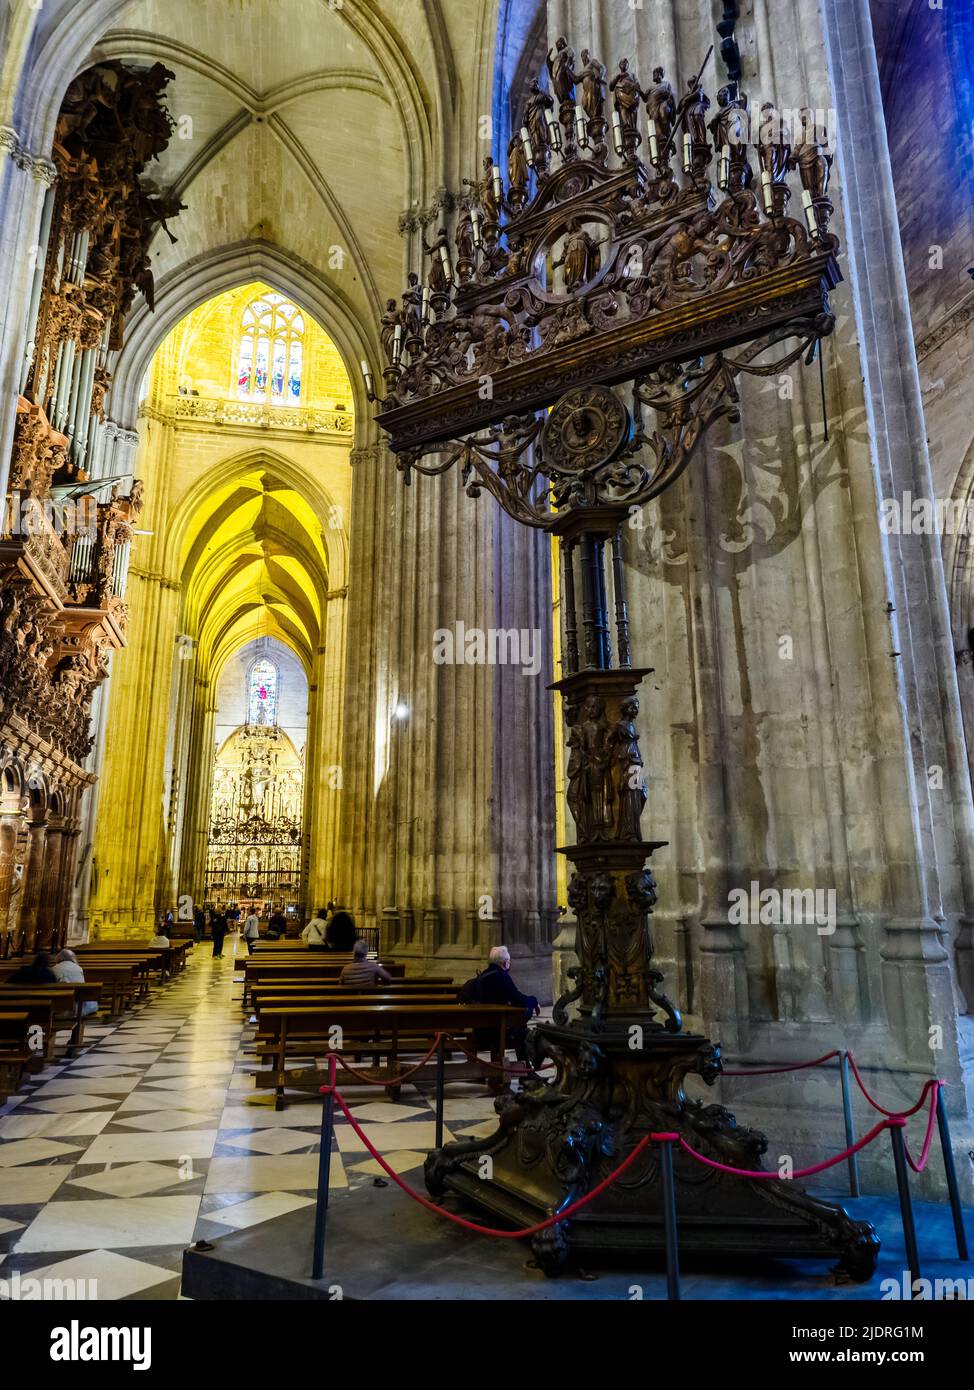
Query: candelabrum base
point(557, 1140)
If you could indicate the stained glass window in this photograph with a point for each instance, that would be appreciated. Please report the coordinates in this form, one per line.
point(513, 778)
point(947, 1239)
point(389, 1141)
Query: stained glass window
point(262, 705)
point(271, 351)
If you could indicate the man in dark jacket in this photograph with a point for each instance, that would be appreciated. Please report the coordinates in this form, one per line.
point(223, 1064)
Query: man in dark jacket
point(495, 986)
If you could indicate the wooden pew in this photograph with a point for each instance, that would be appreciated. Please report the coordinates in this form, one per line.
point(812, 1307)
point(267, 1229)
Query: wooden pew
point(121, 983)
point(15, 1049)
point(169, 960)
point(65, 1000)
point(41, 1012)
point(391, 1029)
point(442, 986)
point(256, 972)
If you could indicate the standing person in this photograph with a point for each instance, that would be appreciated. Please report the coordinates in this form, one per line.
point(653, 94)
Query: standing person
point(314, 932)
point(218, 930)
point(276, 925)
point(199, 924)
point(251, 930)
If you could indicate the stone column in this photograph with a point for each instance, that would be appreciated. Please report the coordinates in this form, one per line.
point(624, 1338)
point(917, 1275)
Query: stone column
point(422, 798)
point(325, 775)
point(130, 851)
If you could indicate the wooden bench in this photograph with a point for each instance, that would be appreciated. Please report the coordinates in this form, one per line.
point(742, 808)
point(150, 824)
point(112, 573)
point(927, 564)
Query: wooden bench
point(169, 960)
point(120, 982)
point(15, 1049)
point(259, 972)
point(67, 1004)
point(392, 1029)
point(292, 990)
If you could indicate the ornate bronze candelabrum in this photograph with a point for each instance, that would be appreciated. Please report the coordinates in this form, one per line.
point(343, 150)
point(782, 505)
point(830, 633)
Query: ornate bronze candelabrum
point(669, 292)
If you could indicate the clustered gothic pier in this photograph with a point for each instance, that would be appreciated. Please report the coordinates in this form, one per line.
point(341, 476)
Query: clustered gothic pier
point(69, 518)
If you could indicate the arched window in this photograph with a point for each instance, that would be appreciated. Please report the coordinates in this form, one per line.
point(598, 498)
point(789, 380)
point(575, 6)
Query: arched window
point(262, 702)
point(271, 351)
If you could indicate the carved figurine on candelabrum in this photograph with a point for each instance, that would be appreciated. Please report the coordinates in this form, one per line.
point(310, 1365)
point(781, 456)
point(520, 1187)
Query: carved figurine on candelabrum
point(672, 295)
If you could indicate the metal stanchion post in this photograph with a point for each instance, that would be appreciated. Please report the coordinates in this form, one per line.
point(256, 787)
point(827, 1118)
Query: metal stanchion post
point(855, 1190)
point(440, 1081)
point(666, 1142)
point(951, 1174)
point(896, 1127)
point(324, 1171)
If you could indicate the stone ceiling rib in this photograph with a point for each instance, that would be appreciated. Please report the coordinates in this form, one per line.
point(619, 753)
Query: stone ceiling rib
point(127, 44)
point(293, 146)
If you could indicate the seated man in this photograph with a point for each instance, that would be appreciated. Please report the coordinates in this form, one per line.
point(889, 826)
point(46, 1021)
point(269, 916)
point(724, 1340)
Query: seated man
point(39, 972)
point(495, 986)
point(69, 972)
point(160, 938)
point(361, 970)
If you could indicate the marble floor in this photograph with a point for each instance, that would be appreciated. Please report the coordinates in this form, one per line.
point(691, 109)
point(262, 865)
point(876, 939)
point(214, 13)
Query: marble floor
point(111, 1163)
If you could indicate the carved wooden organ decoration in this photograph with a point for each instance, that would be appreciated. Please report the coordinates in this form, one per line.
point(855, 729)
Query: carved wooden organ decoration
point(69, 516)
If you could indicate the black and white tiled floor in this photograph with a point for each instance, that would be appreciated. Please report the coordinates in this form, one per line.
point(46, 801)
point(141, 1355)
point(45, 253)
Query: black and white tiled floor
point(113, 1162)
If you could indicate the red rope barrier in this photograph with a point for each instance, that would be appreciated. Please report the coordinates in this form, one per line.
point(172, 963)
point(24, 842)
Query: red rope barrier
point(520, 1070)
point(398, 1079)
point(921, 1162)
point(774, 1071)
point(472, 1225)
point(890, 1114)
point(762, 1174)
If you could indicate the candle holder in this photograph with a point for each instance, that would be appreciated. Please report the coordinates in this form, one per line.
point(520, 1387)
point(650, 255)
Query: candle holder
point(556, 445)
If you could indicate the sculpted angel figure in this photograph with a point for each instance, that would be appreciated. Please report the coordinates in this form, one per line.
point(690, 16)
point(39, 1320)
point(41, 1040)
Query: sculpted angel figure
point(691, 114)
point(517, 165)
point(591, 76)
point(561, 66)
point(661, 108)
point(630, 788)
point(438, 280)
point(412, 303)
point(812, 156)
point(536, 109)
point(580, 257)
point(387, 331)
point(627, 92)
point(774, 143)
point(484, 190)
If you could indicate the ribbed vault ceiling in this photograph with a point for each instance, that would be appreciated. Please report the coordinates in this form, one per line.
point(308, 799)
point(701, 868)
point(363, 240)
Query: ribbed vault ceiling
point(304, 123)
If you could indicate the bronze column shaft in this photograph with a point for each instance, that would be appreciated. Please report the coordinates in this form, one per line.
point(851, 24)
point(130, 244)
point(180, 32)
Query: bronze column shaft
point(595, 618)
